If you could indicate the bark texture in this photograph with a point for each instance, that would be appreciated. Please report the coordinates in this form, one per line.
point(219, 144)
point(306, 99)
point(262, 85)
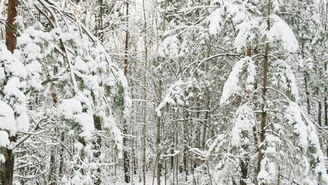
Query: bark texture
point(11, 40)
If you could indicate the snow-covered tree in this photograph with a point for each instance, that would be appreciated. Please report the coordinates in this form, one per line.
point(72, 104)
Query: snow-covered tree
point(271, 139)
point(58, 85)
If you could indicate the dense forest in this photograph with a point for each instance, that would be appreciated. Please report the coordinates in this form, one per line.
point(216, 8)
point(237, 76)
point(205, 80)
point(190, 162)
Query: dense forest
point(163, 92)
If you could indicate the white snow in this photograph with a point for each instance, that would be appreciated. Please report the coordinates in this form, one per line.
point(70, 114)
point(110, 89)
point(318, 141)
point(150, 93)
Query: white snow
point(2, 158)
point(267, 172)
point(11, 89)
point(232, 85)
point(4, 141)
point(70, 107)
point(251, 74)
point(17, 69)
point(169, 47)
point(23, 39)
point(284, 77)
point(293, 115)
point(86, 121)
point(249, 31)
point(81, 65)
point(91, 83)
point(110, 123)
point(276, 5)
point(78, 145)
point(1, 8)
point(33, 67)
point(215, 19)
point(2, 73)
point(243, 124)
point(22, 122)
point(281, 31)
point(7, 119)
point(6, 55)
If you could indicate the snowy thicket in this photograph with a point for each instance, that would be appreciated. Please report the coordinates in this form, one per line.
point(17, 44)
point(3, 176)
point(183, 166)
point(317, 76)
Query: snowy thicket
point(224, 92)
point(288, 140)
point(59, 89)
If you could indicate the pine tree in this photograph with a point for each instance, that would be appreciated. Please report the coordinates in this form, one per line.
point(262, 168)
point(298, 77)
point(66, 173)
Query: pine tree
point(269, 118)
point(58, 85)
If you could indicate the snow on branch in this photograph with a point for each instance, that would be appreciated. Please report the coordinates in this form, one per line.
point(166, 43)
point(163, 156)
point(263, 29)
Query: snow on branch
point(233, 84)
point(309, 141)
point(243, 125)
point(283, 77)
point(281, 31)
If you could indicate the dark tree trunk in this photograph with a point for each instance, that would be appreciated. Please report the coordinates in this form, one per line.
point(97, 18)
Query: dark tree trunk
point(11, 40)
point(126, 159)
point(244, 172)
point(264, 97)
point(8, 167)
point(97, 147)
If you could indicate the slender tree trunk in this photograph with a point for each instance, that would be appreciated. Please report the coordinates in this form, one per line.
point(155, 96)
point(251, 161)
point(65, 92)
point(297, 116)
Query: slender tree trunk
point(11, 40)
point(158, 154)
point(158, 135)
point(126, 159)
point(326, 68)
point(99, 31)
point(165, 172)
point(264, 94)
point(185, 143)
point(326, 108)
point(319, 108)
point(61, 156)
point(244, 171)
point(133, 166)
point(242, 162)
point(207, 100)
point(97, 146)
point(52, 170)
point(325, 101)
point(306, 84)
point(144, 132)
point(52, 179)
point(177, 164)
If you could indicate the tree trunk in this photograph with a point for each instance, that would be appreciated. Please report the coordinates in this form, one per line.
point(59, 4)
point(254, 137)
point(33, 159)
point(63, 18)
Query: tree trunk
point(264, 94)
point(325, 101)
point(99, 31)
point(244, 171)
point(126, 160)
point(306, 85)
point(61, 156)
point(11, 40)
point(144, 134)
point(158, 154)
point(185, 143)
point(319, 110)
point(97, 146)
point(52, 170)
point(8, 167)
point(207, 101)
point(144, 131)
